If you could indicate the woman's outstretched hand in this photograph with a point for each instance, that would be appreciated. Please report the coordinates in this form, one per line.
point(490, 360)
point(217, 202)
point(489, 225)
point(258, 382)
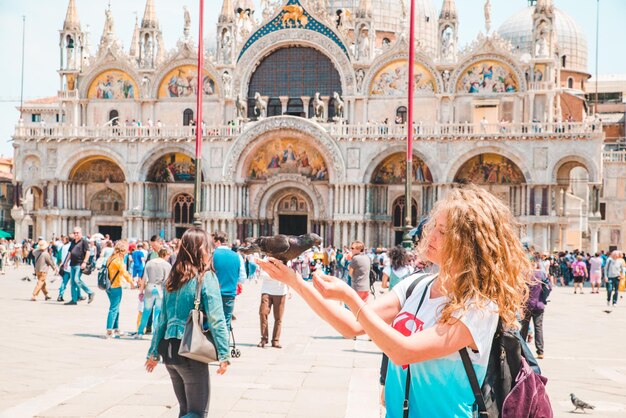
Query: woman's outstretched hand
point(331, 287)
point(278, 271)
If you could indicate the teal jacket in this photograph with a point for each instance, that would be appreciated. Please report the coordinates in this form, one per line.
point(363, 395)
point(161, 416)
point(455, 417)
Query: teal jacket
point(175, 311)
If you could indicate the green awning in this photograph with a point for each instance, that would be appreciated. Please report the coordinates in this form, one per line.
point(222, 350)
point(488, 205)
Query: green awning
point(4, 234)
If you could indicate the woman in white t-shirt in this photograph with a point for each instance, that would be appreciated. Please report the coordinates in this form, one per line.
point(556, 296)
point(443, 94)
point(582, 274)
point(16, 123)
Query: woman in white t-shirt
point(484, 274)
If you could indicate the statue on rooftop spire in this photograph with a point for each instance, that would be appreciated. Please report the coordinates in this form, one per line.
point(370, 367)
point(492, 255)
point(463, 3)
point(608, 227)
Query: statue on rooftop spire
point(187, 22)
point(487, 16)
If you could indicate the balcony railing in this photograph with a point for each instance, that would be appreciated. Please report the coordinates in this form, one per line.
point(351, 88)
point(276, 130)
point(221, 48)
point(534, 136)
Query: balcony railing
point(462, 131)
point(123, 133)
point(465, 130)
point(614, 156)
point(541, 85)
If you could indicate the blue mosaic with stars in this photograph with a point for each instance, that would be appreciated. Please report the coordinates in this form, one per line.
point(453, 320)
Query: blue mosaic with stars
point(278, 23)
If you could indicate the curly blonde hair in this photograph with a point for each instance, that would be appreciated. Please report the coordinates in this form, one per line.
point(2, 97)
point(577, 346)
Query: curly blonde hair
point(484, 258)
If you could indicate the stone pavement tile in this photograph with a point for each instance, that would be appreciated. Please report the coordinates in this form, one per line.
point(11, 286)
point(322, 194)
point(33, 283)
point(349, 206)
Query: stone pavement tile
point(135, 411)
point(98, 398)
point(167, 400)
point(173, 413)
point(282, 380)
point(317, 398)
point(254, 406)
point(75, 410)
point(327, 380)
point(270, 394)
point(240, 414)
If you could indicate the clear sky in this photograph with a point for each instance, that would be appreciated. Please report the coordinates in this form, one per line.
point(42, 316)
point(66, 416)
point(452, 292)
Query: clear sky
point(44, 18)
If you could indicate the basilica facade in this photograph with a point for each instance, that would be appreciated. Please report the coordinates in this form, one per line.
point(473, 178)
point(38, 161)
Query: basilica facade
point(304, 125)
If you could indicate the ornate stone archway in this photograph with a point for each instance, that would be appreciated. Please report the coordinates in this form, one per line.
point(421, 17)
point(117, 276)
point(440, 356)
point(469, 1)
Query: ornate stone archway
point(460, 161)
point(571, 161)
point(282, 126)
point(275, 188)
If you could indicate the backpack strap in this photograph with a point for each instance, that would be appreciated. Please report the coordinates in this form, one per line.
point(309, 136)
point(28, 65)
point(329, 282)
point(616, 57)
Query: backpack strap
point(407, 387)
point(420, 276)
point(471, 375)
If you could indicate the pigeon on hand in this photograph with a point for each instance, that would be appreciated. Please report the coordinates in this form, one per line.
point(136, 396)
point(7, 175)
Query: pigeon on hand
point(580, 404)
point(282, 247)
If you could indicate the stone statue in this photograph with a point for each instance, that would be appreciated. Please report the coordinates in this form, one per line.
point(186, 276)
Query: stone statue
point(108, 22)
point(364, 44)
point(487, 16)
point(242, 109)
point(338, 107)
point(226, 82)
point(148, 54)
point(226, 46)
point(541, 45)
point(360, 75)
point(447, 44)
point(260, 106)
point(187, 26)
point(318, 107)
point(446, 79)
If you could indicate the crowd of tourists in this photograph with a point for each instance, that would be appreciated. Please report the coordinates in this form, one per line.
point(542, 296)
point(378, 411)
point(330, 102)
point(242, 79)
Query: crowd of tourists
point(448, 302)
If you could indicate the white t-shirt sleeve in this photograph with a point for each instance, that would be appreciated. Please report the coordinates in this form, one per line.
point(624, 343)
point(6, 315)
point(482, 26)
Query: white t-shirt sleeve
point(481, 323)
point(387, 271)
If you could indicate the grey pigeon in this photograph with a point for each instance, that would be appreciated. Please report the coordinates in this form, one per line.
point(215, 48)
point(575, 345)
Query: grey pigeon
point(282, 247)
point(580, 404)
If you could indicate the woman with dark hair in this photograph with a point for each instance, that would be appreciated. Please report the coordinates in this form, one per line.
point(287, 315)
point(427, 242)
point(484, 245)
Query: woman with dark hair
point(399, 268)
point(190, 378)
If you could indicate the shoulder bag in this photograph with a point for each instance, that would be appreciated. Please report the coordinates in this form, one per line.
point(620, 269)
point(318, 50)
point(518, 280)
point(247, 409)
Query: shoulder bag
point(196, 343)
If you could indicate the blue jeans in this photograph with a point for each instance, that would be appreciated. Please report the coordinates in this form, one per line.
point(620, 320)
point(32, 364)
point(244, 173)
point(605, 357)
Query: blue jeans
point(66, 278)
point(151, 299)
point(228, 304)
point(612, 286)
point(77, 283)
point(113, 318)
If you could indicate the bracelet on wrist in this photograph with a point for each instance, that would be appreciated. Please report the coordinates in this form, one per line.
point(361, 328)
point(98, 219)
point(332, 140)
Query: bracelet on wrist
point(359, 312)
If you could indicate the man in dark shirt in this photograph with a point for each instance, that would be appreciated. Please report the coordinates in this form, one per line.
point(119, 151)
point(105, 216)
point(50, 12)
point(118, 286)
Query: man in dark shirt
point(77, 260)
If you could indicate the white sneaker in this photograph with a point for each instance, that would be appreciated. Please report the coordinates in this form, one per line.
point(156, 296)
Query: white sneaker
point(608, 303)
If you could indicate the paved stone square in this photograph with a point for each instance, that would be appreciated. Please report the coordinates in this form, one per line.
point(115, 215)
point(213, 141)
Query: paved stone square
point(55, 362)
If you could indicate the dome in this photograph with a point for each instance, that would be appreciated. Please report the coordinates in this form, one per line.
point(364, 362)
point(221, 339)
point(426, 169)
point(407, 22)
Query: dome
point(388, 17)
point(572, 41)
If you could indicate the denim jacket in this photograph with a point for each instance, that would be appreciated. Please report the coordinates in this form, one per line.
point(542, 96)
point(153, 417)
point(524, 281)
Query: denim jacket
point(175, 311)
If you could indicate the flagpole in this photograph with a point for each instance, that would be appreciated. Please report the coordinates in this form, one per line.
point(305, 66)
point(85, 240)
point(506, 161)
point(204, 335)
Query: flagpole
point(197, 193)
point(22, 82)
point(597, 47)
point(407, 241)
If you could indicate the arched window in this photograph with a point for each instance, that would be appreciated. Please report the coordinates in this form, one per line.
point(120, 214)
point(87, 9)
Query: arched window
point(187, 117)
point(274, 107)
point(114, 117)
point(564, 61)
point(295, 107)
point(294, 72)
point(107, 202)
point(401, 113)
point(399, 207)
point(570, 83)
point(183, 209)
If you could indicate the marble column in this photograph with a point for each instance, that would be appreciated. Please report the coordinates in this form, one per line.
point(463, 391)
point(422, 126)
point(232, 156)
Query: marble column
point(594, 238)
